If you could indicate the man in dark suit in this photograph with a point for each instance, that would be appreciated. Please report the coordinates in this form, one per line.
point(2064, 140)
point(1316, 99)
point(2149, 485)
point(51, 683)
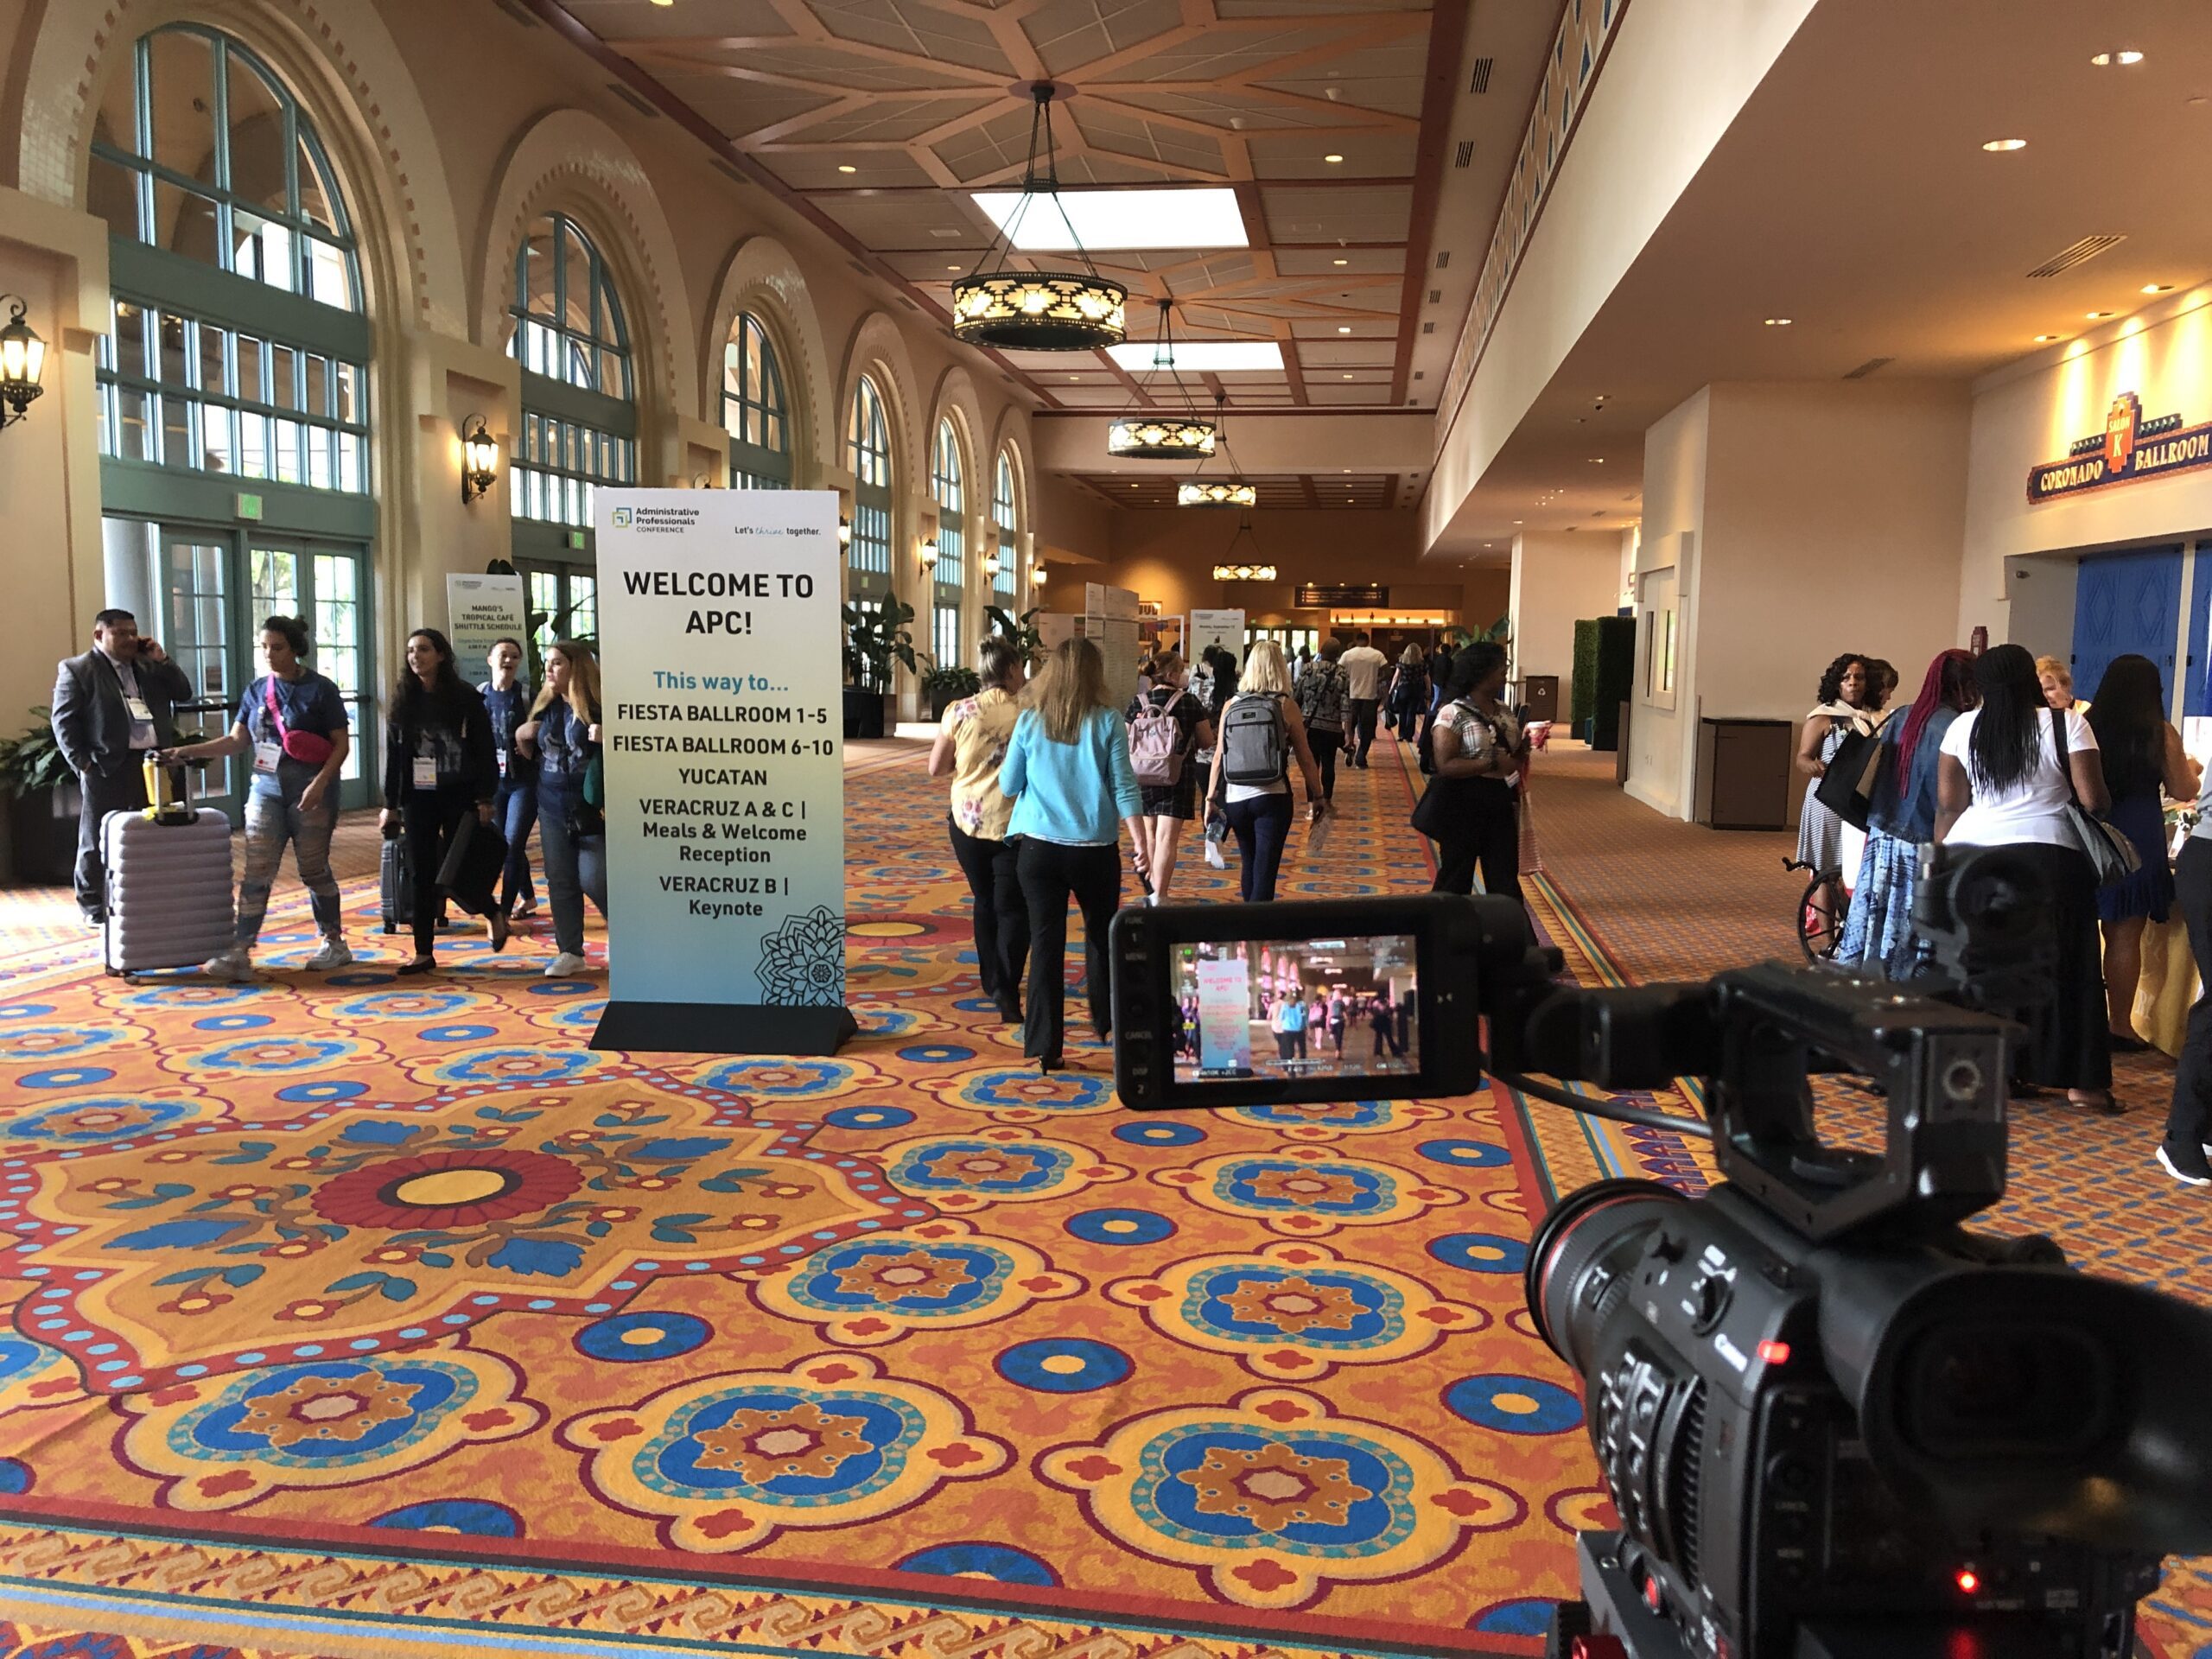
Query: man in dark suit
point(111, 706)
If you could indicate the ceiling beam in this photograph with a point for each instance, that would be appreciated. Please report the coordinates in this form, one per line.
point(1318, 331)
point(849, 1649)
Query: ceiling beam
point(1446, 38)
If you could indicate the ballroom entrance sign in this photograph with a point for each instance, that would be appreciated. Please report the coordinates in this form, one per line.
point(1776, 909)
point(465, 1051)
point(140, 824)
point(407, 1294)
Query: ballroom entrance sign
point(2130, 448)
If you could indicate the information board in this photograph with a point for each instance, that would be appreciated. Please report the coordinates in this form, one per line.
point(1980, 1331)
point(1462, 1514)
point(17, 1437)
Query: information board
point(1109, 619)
point(1223, 628)
point(479, 612)
point(721, 687)
point(1225, 1016)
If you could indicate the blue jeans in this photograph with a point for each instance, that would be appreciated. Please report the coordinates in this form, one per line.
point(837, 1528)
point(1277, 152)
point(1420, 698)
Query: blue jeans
point(574, 865)
point(269, 823)
point(514, 808)
point(1260, 825)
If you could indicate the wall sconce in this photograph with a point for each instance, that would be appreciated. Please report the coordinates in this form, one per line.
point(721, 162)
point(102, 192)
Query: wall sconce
point(991, 562)
point(844, 533)
point(23, 361)
point(480, 467)
point(1037, 575)
point(929, 554)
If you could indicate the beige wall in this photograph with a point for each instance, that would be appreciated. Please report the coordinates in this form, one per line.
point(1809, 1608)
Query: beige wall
point(2030, 413)
point(1168, 555)
point(1559, 579)
point(1821, 519)
point(451, 128)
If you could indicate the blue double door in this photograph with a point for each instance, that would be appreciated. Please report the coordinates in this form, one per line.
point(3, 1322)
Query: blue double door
point(2131, 603)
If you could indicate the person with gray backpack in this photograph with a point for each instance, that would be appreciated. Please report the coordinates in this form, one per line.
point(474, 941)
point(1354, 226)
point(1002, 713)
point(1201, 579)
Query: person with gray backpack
point(1167, 727)
point(1324, 691)
point(1262, 731)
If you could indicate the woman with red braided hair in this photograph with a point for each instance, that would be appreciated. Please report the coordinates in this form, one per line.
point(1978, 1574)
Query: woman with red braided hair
point(1901, 819)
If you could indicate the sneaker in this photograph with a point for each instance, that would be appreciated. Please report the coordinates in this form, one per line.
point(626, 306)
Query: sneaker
point(2185, 1163)
point(333, 954)
point(233, 963)
point(94, 919)
point(566, 965)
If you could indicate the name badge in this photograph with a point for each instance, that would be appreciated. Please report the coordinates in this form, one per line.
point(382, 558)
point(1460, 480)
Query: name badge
point(426, 772)
point(140, 714)
point(266, 755)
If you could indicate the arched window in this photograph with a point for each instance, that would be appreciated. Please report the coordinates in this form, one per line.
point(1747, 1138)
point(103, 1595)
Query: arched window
point(579, 420)
point(233, 395)
point(1004, 515)
point(753, 410)
point(951, 583)
point(867, 439)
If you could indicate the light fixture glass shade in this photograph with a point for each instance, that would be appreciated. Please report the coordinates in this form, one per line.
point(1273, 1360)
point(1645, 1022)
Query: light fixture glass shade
point(997, 305)
point(929, 554)
point(1216, 493)
point(480, 460)
point(1160, 437)
point(22, 362)
point(1244, 572)
point(845, 532)
point(991, 563)
point(1039, 311)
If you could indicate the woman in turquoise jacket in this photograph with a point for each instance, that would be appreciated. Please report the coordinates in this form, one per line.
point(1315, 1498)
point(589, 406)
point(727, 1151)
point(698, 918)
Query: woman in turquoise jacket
point(1067, 772)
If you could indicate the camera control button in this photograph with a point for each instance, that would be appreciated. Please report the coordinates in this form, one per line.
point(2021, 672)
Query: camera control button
point(1709, 1295)
point(1789, 1476)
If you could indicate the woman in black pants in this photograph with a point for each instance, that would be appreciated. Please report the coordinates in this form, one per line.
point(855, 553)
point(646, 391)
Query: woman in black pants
point(1479, 755)
point(439, 766)
point(2006, 775)
point(1067, 771)
point(969, 750)
point(1259, 813)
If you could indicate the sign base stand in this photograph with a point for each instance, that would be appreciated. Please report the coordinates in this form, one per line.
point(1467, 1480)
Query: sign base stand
point(723, 1028)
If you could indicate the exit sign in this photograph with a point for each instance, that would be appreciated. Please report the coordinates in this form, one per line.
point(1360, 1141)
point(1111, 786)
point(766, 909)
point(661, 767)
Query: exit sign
point(249, 505)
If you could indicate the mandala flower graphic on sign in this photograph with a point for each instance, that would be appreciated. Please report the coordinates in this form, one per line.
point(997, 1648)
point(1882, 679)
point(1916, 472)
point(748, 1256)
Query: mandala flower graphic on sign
point(803, 961)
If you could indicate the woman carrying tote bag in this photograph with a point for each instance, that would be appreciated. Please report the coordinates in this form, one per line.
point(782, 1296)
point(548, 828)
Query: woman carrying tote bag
point(1470, 808)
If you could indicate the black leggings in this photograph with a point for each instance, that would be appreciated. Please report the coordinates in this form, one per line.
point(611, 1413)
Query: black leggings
point(1050, 873)
point(1325, 744)
point(1001, 918)
point(428, 822)
point(1486, 830)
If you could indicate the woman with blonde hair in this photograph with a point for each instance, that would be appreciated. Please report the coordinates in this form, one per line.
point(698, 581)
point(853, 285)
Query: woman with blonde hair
point(563, 732)
point(1261, 733)
point(1166, 709)
point(2056, 680)
point(1067, 771)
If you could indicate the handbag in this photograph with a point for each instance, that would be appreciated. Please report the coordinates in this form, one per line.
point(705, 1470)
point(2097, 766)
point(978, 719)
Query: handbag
point(2112, 854)
point(1847, 788)
point(473, 860)
point(308, 747)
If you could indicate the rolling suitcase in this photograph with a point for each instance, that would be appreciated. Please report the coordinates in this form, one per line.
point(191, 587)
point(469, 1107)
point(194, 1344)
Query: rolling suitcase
point(168, 882)
point(393, 884)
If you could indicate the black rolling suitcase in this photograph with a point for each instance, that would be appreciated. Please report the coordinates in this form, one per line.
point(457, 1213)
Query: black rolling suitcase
point(392, 876)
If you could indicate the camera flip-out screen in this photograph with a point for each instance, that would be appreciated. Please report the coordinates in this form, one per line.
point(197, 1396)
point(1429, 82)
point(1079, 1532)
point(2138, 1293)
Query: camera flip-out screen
point(1227, 1005)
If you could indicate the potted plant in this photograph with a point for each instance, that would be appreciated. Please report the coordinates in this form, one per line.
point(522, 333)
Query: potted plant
point(877, 640)
point(42, 804)
point(945, 684)
point(1022, 629)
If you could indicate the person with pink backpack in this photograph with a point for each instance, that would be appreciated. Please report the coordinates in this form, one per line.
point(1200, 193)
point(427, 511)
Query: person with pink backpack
point(1168, 726)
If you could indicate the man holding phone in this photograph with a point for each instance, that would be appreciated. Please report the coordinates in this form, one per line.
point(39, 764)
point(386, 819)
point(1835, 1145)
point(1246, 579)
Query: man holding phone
point(111, 706)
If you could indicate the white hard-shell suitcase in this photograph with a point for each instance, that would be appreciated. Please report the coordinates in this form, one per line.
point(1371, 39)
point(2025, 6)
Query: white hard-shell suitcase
point(168, 889)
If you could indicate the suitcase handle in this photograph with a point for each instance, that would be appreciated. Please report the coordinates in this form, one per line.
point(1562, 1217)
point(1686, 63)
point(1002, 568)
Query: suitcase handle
point(162, 807)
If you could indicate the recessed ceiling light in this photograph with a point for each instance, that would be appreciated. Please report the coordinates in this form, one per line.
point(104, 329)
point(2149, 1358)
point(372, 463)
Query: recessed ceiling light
point(1343, 262)
point(1347, 376)
point(1107, 219)
point(2097, 316)
point(1597, 460)
point(1344, 328)
point(2158, 288)
point(2103, 60)
point(2004, 145)
point(952, 267)
point(1333, 160)
point(1200, 355)
point(2045, 338)
point(846, 167)
point(1778, 322)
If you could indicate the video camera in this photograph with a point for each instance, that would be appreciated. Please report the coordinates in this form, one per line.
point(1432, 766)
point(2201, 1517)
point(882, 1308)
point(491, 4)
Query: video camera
point(1832, 1423)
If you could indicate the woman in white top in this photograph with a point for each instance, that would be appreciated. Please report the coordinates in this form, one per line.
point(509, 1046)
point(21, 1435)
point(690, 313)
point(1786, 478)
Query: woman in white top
point(2002, 782)
point(1258, 813)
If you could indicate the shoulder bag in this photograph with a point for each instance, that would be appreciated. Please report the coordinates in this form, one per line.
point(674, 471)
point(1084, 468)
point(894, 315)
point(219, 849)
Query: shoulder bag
point(1847, 788)
point(2112, 854)
point(1446, 801)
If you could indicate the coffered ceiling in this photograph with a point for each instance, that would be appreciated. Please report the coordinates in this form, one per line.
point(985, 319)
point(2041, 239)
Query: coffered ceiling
point(879, 116)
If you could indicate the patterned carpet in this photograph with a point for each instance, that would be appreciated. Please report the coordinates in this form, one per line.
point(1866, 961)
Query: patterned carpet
point(384, 1318)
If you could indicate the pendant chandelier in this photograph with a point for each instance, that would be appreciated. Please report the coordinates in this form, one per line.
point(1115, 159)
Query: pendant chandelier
point(1250, 566)
point(1141, 435)
point(1037, 310)
point(1230, 490)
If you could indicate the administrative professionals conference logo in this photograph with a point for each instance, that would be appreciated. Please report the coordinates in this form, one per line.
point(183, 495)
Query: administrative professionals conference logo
point(2130, 448)
point(622, 515)
point(656, 521)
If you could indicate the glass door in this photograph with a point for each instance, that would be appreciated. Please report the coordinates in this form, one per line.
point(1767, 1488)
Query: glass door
point(564, 604)
point(196, 599)
point(321, 585)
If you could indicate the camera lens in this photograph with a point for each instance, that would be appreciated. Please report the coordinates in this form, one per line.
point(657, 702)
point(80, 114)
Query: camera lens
point(1582, 1257)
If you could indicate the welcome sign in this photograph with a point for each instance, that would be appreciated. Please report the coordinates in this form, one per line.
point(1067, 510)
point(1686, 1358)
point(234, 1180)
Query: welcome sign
point(721, 683)
point(2129, 448)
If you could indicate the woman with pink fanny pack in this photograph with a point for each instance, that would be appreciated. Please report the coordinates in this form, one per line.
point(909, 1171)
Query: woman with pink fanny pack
point(291, 724)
